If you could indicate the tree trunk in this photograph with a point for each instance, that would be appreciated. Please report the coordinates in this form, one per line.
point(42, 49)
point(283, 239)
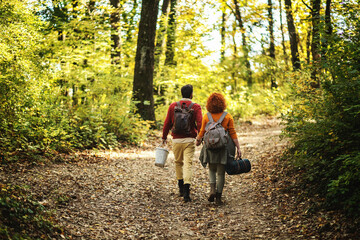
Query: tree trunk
point(283, 34)
point(328, 24)
point(144, 61)
point(272, 42)
point(161, 33)
point(315, 44)
point(235, 54)
point(244, 44)
point(308, 45)
point(328, 29)
point(293, 37)
point(170, 43)
point(222, 33)
point(271, 30)
point(115, 33)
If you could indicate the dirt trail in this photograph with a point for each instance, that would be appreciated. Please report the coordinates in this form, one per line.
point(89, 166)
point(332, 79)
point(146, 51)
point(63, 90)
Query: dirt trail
point(122, 195)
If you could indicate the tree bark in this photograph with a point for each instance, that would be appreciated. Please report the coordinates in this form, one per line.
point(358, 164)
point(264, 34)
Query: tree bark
point(272, 42)
point(328, 24)
point(293, 37)
point(144, 61)
point(222, 33)
point(244, 44)
point(315, 44)
point(308, 45)
point(115, 32)
point(283, 34)
point(170, 43)
point(328, 29)
point(161, 33)
point(271, 30)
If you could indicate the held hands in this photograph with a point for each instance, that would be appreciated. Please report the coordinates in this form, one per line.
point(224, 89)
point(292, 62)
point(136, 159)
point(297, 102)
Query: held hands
point(198, 142)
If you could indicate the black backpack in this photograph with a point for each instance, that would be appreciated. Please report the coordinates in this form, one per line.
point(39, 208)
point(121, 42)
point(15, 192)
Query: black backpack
point(182, 118)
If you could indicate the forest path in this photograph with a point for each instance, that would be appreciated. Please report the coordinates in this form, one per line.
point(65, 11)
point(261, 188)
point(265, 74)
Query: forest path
point(123, 195)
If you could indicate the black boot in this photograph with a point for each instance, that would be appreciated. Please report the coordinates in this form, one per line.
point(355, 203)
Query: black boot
point(212, 192)
point(181, 187)
point(218, 199)
point(187, 193)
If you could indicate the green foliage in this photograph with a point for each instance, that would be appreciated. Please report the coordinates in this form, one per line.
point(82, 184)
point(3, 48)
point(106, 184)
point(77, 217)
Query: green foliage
point(324, 124)
point(248, 103)
point(59, 91)
point(22, 217)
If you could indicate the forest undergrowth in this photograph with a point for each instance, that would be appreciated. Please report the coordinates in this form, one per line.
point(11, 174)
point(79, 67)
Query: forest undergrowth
point(122, 195)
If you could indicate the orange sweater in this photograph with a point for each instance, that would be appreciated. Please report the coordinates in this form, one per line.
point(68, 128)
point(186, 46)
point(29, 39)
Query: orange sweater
point(227, 123)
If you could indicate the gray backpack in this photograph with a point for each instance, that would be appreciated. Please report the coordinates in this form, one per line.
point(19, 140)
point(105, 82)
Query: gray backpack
point(215, 137)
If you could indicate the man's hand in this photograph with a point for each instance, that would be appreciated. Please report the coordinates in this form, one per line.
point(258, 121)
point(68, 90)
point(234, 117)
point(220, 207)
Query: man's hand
point(164, 142)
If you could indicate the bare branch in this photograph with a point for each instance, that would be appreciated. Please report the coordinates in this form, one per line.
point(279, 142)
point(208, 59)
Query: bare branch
point(306, 5)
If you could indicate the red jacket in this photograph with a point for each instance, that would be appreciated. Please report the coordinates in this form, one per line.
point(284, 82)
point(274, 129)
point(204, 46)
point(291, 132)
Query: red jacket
point(195, 123)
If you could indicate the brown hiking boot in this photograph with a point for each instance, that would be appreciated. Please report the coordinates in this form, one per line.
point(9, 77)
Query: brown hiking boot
point(212, 192)
point(218, 199)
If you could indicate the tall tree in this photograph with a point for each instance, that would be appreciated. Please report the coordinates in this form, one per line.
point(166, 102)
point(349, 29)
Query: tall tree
point(271, 30)
point(293, 36)
point(272, 41)
point(161, 33)
point(222, 33)
point(170, 43)
point(328, 24)
point(115, 32)
point(315, 44)
point(245, 46)
point(282, 33)
point(328, 29)
point(144, 61)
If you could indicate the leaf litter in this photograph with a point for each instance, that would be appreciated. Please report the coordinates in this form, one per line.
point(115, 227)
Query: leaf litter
point(122, 195)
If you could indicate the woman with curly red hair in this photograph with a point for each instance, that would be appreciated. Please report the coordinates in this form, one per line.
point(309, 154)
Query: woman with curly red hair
point(217, 159)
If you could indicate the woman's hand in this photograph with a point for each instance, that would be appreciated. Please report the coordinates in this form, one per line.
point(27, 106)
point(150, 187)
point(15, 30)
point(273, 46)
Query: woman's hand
point(198, 142)
point(238, 152)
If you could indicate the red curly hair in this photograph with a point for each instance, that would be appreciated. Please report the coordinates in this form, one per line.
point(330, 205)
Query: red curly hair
point(216, 103)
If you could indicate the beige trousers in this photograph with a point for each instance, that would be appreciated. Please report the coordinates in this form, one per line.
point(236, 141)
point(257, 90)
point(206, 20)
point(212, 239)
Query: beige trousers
point(184, 154)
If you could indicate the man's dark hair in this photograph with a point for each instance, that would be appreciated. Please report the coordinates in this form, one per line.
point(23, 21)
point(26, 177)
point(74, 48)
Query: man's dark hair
point(186, 91)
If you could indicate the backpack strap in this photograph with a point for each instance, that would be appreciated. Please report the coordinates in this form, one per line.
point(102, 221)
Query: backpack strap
point(210, 117)
point(222, 117)
point(189, 107)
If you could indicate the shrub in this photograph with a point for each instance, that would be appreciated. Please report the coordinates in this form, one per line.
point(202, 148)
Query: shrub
point(324, 125)
point(22, 217)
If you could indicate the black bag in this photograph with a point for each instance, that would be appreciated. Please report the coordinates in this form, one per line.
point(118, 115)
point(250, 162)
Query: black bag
point(235, 166)
point(182, 118)
point(238, 166)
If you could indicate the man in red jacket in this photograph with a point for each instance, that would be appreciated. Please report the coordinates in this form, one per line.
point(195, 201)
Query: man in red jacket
point(183, 141)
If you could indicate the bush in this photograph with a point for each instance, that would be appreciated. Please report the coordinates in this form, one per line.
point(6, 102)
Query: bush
point(324, 125)
point(22, 217)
